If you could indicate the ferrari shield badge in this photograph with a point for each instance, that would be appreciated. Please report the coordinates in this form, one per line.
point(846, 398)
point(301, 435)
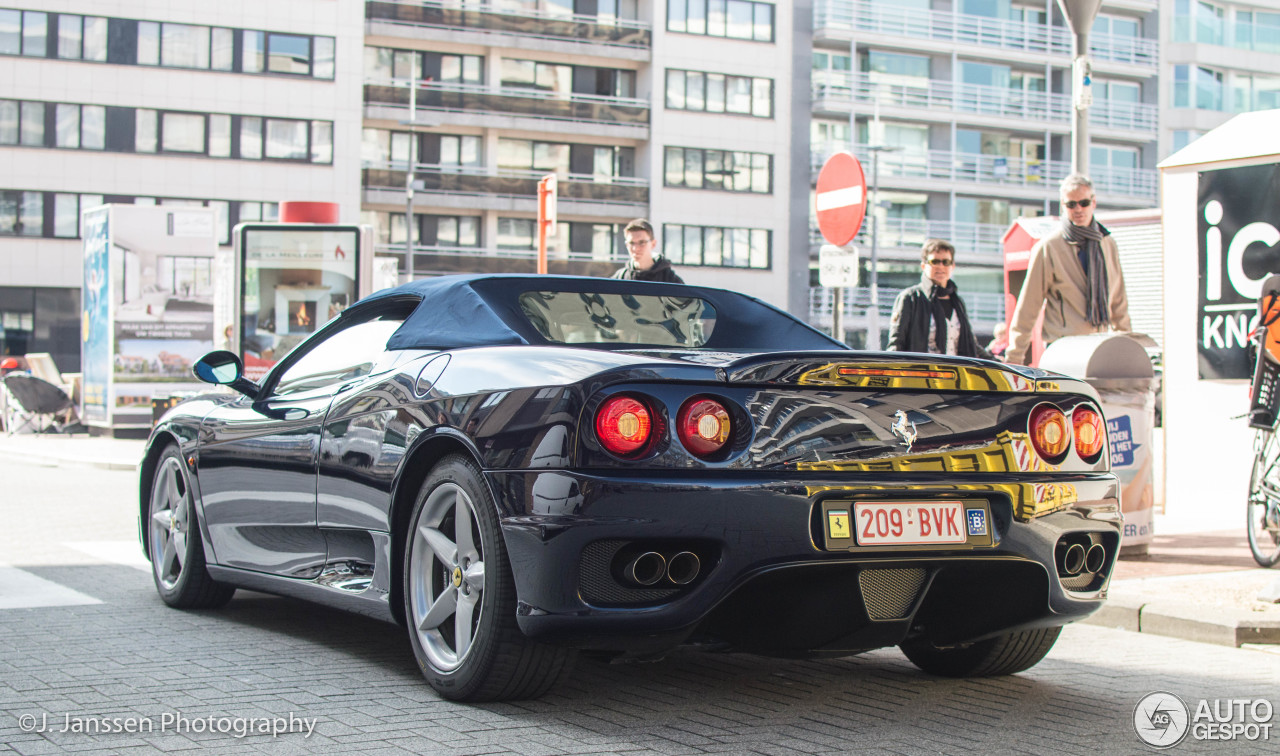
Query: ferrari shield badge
point(838, 523)
point(904, 429)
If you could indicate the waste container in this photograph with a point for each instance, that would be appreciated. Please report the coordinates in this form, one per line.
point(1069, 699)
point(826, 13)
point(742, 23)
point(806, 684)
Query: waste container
point(1118, 366)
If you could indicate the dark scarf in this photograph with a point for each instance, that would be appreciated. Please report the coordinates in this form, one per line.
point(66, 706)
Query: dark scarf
point(940, 309)
point(1090, 240)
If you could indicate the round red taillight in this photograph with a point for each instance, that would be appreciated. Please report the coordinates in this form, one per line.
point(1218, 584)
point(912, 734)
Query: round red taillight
point(1048, 430)
point(624, 425)
point(1090, 432)
point(703, 426)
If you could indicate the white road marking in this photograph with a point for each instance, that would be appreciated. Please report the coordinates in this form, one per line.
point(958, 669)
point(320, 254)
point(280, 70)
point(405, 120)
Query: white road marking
point(22, 590)
point(127, 553)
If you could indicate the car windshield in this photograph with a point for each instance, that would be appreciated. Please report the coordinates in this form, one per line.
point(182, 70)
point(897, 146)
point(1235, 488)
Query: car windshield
point(570, 317)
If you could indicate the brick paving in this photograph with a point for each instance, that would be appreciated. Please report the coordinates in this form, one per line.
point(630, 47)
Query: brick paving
point(265, 656)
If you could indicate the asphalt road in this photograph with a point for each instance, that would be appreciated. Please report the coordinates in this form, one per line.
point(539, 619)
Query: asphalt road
point(104, 656)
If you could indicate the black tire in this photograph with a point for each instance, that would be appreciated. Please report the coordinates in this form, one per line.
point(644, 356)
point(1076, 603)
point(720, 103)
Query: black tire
point(1003, 655)
point(460, 600)
point(1263, 508)
point(174, 545)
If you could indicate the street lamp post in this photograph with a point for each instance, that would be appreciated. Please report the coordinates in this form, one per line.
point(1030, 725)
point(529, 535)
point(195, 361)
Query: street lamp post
point(1080, 15)
point(410, 176)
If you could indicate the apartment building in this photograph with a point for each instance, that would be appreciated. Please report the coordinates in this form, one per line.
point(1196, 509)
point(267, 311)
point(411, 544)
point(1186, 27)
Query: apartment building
point(1218, 59)
point(676, 110)
point(965, 106)
point(232, 105)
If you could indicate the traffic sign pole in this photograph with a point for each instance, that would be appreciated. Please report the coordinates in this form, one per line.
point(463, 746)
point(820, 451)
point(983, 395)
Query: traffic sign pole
point(841, 204)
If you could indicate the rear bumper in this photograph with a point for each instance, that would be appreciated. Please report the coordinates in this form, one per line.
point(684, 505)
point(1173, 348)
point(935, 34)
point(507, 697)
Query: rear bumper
point(764, 558)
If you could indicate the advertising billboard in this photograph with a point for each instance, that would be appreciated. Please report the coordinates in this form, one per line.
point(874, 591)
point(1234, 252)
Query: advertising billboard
point(148, 308)
point(292, 279)
point(1238, 231)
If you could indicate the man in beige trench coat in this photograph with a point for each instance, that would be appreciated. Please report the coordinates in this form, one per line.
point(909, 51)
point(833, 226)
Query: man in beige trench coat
point(1075, 274)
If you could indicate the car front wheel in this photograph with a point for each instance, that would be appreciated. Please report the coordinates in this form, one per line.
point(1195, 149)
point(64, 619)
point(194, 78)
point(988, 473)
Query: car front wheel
point(460, 598)
point(1002, 655)
point(173, 541)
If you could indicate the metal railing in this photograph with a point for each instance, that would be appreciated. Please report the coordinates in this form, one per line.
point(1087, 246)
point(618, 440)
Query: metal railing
point(397, 249)
point(984, 308)
point(481, 180)
point(931, 94)
point(944, 165)
point(497, 17)
point(1125, 116)
point(882, 18)
point(977, 243)
point(455, 97)
point(846, 89)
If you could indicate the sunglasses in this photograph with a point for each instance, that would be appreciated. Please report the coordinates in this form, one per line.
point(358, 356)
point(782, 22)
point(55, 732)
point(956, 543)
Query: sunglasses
point(1073, 204)
point(943, 263)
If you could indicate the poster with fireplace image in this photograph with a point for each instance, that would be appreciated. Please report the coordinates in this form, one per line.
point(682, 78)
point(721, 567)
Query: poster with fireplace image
point(295, 281)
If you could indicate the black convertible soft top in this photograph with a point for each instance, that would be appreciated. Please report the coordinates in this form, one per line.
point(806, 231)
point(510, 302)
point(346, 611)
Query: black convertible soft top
point(485, 310)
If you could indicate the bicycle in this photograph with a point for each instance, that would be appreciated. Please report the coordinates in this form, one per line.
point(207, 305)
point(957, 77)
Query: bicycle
point(1263, 508)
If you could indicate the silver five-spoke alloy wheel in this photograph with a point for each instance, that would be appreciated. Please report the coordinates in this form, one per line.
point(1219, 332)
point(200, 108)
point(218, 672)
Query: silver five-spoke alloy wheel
point(170, 522)
point(446, 580)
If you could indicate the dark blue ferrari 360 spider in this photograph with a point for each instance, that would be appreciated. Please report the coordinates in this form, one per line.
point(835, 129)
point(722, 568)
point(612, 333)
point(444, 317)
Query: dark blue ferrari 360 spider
point(518, 468)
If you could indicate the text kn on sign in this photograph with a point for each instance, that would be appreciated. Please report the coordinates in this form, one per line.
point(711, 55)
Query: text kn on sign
point(841, 198)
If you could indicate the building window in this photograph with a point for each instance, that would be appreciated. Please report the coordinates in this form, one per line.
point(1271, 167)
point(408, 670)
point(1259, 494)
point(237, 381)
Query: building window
point(717, 247)
point(516, 233)
point(451, 230)
point(460, 150)
point(1197, 87)
point(736, 19)
point(719, 93)
point(173, 45)
point(556, 78)
point(286, 139)
point(1255, 93)
point(21, 213)
point(182, 132)
point(719, 170)
point(289, 54)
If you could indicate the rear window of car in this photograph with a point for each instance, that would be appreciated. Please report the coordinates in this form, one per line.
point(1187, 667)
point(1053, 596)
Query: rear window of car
point(571, 317)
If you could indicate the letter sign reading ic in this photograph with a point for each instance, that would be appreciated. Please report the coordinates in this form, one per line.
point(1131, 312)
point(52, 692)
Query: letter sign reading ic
point(841, 198)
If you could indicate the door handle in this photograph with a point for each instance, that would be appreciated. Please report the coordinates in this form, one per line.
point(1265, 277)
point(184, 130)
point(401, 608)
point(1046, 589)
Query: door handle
point(346, 387)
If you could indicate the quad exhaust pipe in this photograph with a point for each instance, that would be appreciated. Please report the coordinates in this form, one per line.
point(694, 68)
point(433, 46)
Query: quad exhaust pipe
point(1095, 558)
point(1073, 560)
point(651, 567)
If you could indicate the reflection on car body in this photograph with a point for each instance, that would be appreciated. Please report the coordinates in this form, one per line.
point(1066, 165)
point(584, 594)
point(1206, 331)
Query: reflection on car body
point(521, 467)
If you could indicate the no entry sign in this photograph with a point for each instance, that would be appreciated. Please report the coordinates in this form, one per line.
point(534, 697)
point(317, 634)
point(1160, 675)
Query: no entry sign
point(841, 199)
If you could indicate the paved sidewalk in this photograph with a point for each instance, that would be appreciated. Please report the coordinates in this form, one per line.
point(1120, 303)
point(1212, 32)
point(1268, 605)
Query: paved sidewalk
point(1195, 586)
point(78, 450)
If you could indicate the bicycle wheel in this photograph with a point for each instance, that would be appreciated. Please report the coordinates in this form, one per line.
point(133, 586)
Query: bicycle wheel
point(1264, 499)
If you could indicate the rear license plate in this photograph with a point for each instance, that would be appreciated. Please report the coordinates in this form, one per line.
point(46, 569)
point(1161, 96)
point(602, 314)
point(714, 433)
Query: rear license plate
point(879, 523)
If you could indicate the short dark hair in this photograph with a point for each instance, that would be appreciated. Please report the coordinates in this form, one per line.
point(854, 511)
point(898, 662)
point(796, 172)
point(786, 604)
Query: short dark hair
point(936, 245)
point(640, 224)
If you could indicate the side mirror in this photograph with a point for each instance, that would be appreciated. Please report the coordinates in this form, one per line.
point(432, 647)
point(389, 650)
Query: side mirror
point(223, 368)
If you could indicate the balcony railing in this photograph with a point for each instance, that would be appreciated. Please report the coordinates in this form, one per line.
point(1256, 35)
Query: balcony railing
point(944, 165)
point(397, 249)
point(1124, 116)
point(1138, 183)
point(1138, 51)
point(884, 18)
point(498, 17)
point(930, 94)
point(842, 91)
point(978, 243)
point(477, 98)
point(984, 308)
point(511, 183)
